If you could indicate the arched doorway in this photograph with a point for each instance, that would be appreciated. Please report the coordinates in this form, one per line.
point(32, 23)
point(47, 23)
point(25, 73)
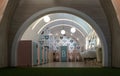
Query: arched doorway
point(58, 10)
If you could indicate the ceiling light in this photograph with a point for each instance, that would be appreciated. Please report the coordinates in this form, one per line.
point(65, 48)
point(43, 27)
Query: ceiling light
point(73, 30)
point(62, 32)
point(46, 19)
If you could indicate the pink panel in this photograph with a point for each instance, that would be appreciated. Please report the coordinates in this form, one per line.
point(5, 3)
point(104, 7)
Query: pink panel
point(24, 53)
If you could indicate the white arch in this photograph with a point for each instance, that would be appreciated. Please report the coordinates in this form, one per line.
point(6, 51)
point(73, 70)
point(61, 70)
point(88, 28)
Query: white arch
point(106, 59)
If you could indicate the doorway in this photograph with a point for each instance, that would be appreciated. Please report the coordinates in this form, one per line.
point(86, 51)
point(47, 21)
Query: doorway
point(66, 22)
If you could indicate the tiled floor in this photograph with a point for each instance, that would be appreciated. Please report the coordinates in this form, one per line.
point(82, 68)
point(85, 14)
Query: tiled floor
point(68, 64)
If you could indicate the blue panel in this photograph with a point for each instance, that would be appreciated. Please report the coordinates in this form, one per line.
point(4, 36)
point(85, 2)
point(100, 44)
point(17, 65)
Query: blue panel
point(35, 56)
point(45, 55)
point(63, 53)
point(41, 59)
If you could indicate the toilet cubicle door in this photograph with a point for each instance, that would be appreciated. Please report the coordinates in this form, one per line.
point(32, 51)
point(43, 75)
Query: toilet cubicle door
point(45, 59)
point(35, 56)
point(63, 53)
point(41, 58)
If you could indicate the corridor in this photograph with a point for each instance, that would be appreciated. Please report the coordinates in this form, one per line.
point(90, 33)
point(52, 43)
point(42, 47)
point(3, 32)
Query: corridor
point(60, 37)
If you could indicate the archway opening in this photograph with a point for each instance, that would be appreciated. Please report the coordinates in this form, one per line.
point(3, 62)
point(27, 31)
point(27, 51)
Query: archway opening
point(61, 37)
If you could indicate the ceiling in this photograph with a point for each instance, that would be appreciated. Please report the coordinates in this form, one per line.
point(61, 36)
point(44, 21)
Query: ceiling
point(57, 22)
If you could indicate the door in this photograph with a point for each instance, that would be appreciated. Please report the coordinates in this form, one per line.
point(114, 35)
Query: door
point(63, 53)
point(41, 57)
point(45, 56)
point(35, 56)
point(24, 53)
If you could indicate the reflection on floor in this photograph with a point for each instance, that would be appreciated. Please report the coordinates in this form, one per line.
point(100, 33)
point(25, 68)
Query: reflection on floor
point(68, 64)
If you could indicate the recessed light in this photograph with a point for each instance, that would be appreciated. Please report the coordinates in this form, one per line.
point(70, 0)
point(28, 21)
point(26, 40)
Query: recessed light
point(46, 19)
point(62, 32)
point(73, 30)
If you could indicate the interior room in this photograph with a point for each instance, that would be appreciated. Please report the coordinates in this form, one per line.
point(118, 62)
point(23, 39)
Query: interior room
point(62, 39)
point(59, 37)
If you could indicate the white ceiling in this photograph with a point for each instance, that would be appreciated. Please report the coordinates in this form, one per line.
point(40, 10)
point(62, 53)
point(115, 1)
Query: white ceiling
point(56, 24)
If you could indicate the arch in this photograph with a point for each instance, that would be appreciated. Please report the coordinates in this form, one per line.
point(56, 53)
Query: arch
point(65, 10)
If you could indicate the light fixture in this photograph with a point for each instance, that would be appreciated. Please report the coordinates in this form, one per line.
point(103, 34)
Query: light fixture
point(73, 30)
point(62, 32)
point(46, 19)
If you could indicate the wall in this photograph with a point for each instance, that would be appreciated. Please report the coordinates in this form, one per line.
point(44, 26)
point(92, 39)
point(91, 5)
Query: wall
point(4, 25)
point(3, 4)
point(92, 41)
point(3, 50)
point(116, 4)
point(115, 31)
